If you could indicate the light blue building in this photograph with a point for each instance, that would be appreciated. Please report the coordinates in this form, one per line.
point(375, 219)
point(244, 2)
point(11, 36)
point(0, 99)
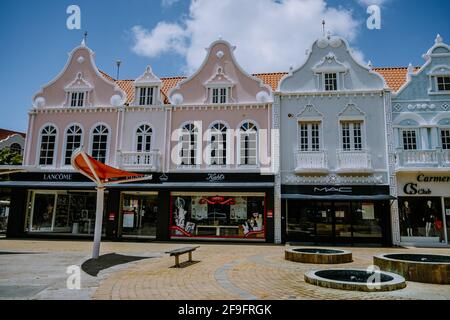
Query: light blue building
point(334, 162)
point(421, 123)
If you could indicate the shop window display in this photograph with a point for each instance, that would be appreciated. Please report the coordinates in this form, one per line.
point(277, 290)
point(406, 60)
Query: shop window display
point(223, 216)
point(61, 212)
point(421, 217)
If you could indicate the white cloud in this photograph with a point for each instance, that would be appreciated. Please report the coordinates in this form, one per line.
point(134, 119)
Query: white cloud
point(367, 3)
point(269, 35)
point(163, 38)
point(168, 3)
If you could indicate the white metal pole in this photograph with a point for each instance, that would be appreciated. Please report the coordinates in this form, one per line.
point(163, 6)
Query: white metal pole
point(98, 222)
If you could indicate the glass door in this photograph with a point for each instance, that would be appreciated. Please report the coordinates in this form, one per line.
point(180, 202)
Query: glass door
point(324, 221)
point(139, 214)
point(343, 221)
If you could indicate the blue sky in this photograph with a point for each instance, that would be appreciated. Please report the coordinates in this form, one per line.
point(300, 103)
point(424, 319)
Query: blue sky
point(170, 35)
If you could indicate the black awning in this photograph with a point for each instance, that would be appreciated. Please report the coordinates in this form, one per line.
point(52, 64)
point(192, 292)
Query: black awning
point(383, 197)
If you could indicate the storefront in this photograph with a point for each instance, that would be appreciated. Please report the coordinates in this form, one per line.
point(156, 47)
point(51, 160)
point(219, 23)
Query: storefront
point(236, 207)
point(424, 208)
point(337, 214)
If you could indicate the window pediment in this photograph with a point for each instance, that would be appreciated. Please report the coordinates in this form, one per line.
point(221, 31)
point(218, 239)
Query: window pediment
point(79, 84)
point(310, 113)
point(147, 79)
point(219, 79)
point(351, 112)
point(330, 64)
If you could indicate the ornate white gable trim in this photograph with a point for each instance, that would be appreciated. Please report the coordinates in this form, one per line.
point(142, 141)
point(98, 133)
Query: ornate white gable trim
point(330, 64)
point(351, 112)
point(148, 78)
point(219, 79)
point(79, 84)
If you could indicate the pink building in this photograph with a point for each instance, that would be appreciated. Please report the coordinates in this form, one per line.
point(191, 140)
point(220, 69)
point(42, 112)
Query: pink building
point(205, 139)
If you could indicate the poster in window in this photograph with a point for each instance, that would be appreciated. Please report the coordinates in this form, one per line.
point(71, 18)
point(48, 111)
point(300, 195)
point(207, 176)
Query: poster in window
point(128, 219)
point(199, 211)
point(368, 211)
point(238, 211)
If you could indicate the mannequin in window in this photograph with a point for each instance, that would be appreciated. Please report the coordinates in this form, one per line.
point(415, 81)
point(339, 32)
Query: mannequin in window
point(430, 217)
point(406, 215)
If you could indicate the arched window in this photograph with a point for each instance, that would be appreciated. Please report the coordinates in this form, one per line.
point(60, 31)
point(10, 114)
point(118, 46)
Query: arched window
point(73, 141)
point(100, 143)
point(144, 138)
point(248, 144)
point(189, 144)
point(16, 148)
point(218, 140)
point(48, 145)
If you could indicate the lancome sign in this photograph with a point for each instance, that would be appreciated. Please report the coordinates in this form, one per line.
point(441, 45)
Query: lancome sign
point(57, 177)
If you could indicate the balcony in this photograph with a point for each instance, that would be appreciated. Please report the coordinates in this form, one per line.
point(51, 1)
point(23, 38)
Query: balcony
point(354, 162)
point(311, 162)
point(139, 161)
point(409, 160)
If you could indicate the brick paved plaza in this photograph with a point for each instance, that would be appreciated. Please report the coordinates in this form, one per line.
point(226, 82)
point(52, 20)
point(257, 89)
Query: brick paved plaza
point(32, 269)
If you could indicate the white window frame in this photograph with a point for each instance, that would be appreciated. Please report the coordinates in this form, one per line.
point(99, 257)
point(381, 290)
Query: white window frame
point(309, 137)
point(108, 141)
point(66, 134)
point(213, 132)
point(197, 141)
point(148, 133)
point(242, 133)
point(75, 96)
point(149, 96)
point(324, 75)
point(441, 131)
point(55, 151)
point(351, 124)
point(220, 95)
point(417, 137)
point(437, 83)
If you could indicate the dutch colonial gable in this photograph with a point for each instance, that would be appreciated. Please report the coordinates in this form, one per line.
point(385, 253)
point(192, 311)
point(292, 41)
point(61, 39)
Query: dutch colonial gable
point(220, 80)
point(79, 108)
point(80, 76)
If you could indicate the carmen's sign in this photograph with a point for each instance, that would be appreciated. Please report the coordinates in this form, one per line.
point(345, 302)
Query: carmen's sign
point(424, 178)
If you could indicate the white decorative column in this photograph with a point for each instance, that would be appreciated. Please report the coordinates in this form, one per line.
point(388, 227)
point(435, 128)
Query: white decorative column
point(276, 167)
point(424, 138)
point(390, 136)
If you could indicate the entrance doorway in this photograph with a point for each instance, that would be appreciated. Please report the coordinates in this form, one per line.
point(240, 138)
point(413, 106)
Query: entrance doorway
point(333, 222)
point(139, 215)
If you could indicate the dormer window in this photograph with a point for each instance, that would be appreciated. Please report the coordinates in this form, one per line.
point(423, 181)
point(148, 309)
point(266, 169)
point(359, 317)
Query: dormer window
point(146, 96)
point(443, 83)
point(219, 95)
point(78, 99)
point(331, 83)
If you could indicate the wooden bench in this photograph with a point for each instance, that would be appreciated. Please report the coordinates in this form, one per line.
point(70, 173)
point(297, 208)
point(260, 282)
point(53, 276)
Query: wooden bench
point(178, 252)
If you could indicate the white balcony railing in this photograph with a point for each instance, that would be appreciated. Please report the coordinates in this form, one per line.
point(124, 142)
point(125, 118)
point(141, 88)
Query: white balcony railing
point(354, 161)
point(312, 162)
point(148, 161)
point(423, 158)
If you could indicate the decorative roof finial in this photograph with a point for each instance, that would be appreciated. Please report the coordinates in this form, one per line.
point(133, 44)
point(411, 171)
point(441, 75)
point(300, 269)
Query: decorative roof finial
point(220, 37)
point(439, 39)
point(410, 71)
point(84, 41)
point(323, 27)
point(329, 34)
point(369, 64)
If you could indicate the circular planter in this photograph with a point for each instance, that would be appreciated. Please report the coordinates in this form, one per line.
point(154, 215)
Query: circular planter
point(424, 268)
point(356, 280)
point(318, 256)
